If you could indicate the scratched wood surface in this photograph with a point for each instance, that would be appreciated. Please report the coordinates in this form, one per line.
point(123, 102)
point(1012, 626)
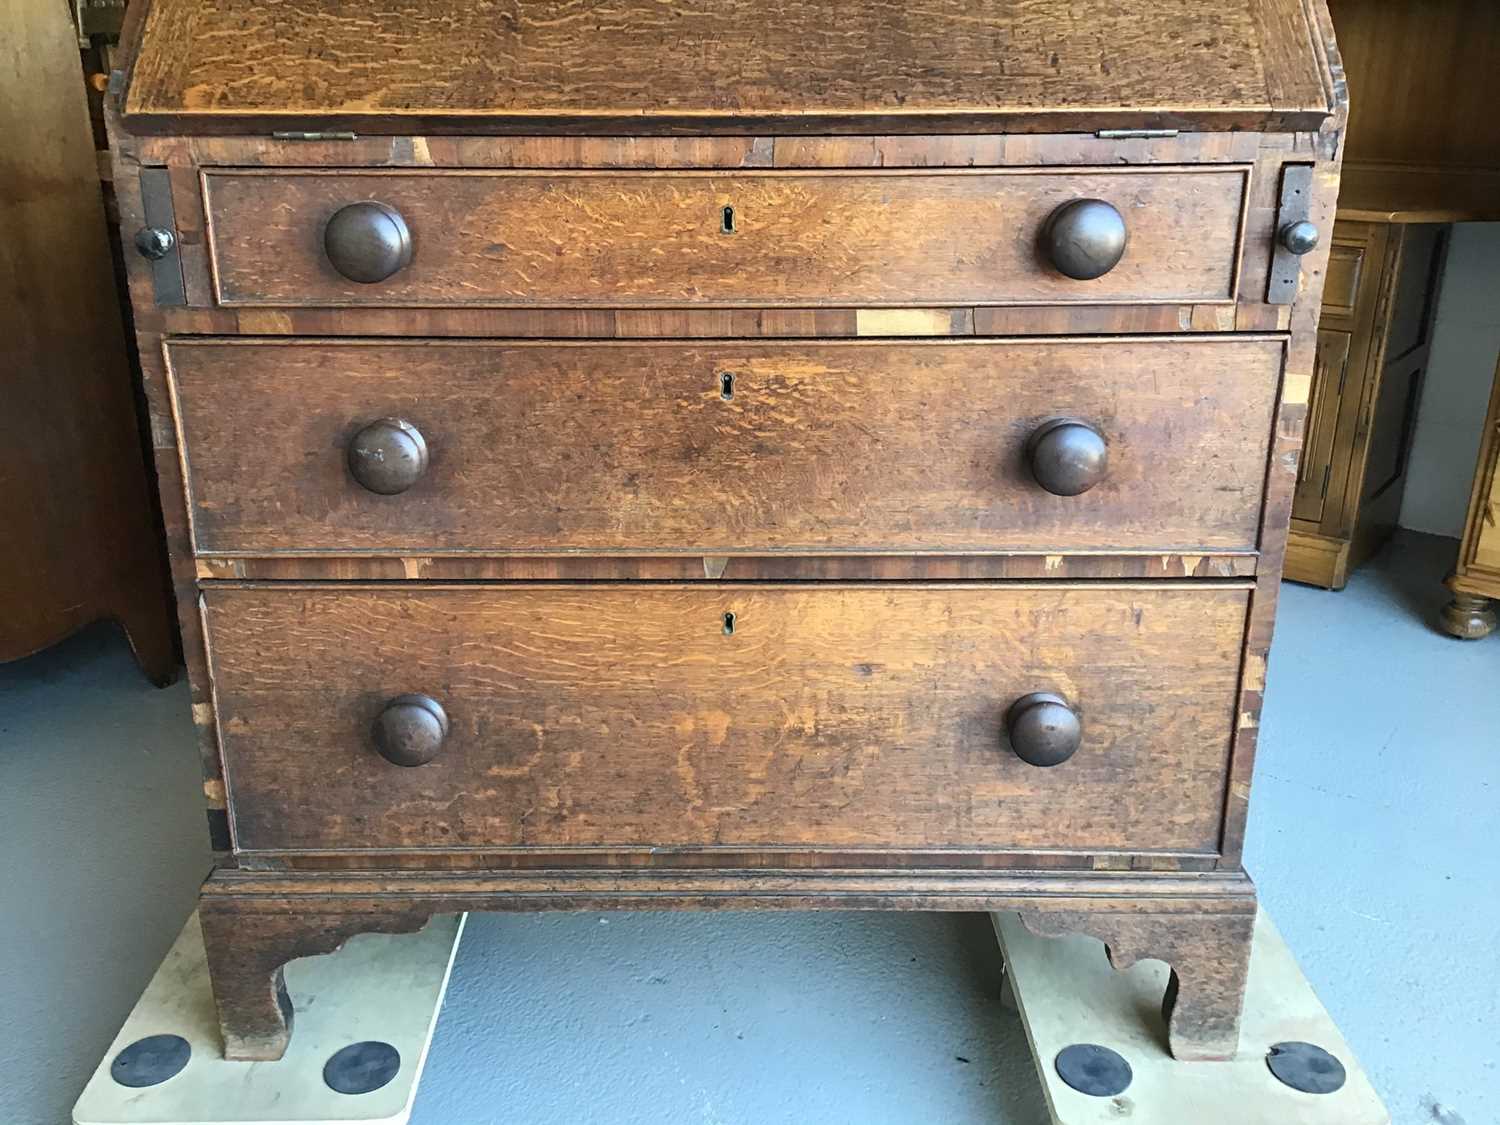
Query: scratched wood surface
point(153, 323)
point(612, 745)
point(613, 239)
point(726, 447)
point(847, 715)
point(713, 64)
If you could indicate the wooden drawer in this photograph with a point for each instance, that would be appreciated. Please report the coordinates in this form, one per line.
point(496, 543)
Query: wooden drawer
point(622, 239)
point(631, 716)
point(725, 447)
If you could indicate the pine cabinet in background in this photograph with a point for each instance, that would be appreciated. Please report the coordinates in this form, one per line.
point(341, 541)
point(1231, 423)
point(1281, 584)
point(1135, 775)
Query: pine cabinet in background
point(1373, 341)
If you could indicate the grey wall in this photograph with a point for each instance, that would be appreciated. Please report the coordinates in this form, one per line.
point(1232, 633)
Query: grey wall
point(1450, 415)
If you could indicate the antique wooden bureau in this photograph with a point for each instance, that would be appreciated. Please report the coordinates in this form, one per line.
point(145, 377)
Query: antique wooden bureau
point(721, 455)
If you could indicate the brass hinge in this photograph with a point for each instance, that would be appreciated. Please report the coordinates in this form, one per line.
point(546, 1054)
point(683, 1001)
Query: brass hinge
point(1133, 134)
point(299, 135)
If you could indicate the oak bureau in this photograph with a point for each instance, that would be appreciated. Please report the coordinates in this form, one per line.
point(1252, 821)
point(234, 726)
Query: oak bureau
point(721, 455)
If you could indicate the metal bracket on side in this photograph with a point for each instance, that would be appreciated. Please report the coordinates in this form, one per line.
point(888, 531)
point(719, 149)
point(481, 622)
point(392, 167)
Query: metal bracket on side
point(1293, 208)
point(157, 240)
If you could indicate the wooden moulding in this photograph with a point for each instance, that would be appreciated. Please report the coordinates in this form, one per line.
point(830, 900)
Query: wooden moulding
point(716, 323)
point(254, 923)
point(777, 859)
point(730, 567)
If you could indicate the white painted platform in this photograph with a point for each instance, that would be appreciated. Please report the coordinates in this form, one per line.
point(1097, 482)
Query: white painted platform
point(1068, 993)
point(379, 986)
point(390, 988)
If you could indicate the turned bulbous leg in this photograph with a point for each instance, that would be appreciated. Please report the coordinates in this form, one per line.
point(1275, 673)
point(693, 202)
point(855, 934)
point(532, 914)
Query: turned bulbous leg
point(1468, 617)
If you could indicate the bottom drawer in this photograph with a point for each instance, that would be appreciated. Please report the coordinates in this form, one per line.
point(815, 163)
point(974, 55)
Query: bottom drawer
point(796, 716)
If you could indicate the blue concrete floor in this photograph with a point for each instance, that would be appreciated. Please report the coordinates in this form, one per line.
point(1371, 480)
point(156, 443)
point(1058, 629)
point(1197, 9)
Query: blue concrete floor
point(1375, 805)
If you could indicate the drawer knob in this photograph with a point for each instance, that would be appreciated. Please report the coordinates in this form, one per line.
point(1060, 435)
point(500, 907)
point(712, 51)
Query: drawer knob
point(367, 242)
point(1085, 239)
point(1299, 238)
point(1067, 457)
point(1043, 729)
point(388, 456)
point(410, 730)
point(155, 243)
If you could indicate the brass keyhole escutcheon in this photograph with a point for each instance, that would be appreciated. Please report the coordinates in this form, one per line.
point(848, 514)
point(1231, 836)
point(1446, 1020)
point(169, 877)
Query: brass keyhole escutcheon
point(726, 386)
point(727, 220)
point(729, 624)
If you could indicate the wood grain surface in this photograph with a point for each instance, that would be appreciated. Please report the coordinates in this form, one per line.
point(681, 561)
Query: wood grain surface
point(80, 527)
point(632, 448)
point(708, 65)
point(842, 567)
point(867, 716)
point(255, 923)
point(613, 744)
point(185, 155)
point(622, 239)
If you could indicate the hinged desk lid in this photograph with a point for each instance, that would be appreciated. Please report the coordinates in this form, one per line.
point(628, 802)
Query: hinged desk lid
point(652, 66)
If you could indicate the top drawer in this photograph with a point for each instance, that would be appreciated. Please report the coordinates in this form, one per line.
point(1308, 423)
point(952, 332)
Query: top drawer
point(643, 239)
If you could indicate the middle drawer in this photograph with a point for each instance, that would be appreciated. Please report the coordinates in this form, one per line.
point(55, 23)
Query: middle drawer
point(725, 447)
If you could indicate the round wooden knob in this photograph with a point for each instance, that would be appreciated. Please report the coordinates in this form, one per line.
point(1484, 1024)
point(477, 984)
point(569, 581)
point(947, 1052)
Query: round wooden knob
point(1067, 457)
point(1085, 239)
point(410, 730)
point(388, 456)
point(1299, 238)
point(1043, 729)
point(367, 242)
point(154, 243)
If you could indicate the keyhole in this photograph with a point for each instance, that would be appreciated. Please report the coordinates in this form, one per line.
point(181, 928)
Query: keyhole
point(726, 385)
point(729, 220)
point(729, 624)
